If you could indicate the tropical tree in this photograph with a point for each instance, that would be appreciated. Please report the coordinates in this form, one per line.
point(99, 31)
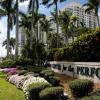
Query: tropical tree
point(11, 44)
point(49, 3)
point(9, 11)
point(33, 7)
point(93, 5)
point(73, 19)
point(17, 25)
point(64, 20)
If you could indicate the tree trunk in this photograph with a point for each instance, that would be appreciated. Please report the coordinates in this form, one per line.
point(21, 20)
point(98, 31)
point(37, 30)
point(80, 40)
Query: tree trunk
point(57, 24)
point(8, 36)
point(32, 27)
point(17, 29)
point(98, 20)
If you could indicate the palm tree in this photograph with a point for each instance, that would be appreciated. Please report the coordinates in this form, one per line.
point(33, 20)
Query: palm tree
point(17, 26)
point(73, 19)
point(93, 5)
point(11, 44)
point(33, 7)
point(50, 3)
point(64, 20)
point(8, 10)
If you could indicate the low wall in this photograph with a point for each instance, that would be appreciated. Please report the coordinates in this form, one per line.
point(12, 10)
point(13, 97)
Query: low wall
point(81, 70)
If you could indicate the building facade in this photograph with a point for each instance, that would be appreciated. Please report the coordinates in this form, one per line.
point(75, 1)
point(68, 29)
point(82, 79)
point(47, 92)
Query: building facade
point(88, 18)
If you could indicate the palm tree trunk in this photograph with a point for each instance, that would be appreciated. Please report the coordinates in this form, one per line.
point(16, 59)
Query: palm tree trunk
point(57, 24)
point(8, 36)
point(32, 27)
point(98, 20)
point(17, 30)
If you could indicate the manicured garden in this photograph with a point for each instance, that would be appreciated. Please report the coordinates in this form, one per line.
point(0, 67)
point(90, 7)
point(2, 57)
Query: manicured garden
point(9, 91)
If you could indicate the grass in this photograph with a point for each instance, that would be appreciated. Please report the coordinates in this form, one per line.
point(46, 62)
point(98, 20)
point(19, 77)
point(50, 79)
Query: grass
point(9, 91)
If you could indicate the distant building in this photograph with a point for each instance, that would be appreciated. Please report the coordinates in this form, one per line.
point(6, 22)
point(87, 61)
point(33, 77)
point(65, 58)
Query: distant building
point(22, 40)
point(88, 18)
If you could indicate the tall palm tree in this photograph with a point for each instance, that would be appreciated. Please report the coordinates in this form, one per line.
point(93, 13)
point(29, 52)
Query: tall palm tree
point(64, 20)
point(17, 25)
point(93, 5)
point(49, 3)
point(7, 6)
point(11, 44)
point(33, 7)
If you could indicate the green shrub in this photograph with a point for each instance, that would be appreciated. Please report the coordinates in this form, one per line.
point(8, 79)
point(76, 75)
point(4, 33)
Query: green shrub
point(46, 73)
point(85, 48)
point(21, 72)
point(24, 62)
point(35, 88)
point(58, 55)
point(95, 95)
point(81, 87)
point(55, 81)
point(90, 98)
point(8, 63)
point(52, 93)
point(36, 69)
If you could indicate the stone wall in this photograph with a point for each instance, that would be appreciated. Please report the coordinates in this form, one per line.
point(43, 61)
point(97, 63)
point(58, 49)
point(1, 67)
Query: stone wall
point(81, 70)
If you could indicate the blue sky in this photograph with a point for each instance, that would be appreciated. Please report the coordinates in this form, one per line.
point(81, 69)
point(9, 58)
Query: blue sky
point(23, 7)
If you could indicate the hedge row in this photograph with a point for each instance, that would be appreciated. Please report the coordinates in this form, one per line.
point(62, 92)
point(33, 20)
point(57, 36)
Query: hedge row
point(81, 87)
point(85, 48)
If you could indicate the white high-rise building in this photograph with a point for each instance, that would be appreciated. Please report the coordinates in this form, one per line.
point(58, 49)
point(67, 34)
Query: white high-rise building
point(88, 18)
point(21, 39)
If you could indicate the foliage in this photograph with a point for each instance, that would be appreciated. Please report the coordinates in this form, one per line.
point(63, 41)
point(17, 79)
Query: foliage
point(52, 40)
point(8, 63)
point(21, 72)
point(55, 81)
point(12, 93)
point(24, 61)
point(46, 73)
point(85, 48)
point(36, 69)
point(52, 93)
point(90, 98)
point(49, 76)
point(81, 87)
point(95, 95)
point(35, 88)
point(37, 53)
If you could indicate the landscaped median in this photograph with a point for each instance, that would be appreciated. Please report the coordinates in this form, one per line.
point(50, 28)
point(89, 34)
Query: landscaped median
point(29, 85)
point(9, 91)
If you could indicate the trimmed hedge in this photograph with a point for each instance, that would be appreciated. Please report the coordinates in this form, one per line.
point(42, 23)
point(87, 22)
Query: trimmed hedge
point(52, 93)
point(35, 88)
point(55, 81)
point(95, 95)
point(85, 48)
point(81, 87)
point(49, 76)
point(90, 98)
point(9, 63)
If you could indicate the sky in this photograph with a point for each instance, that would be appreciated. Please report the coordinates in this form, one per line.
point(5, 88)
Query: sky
point(23, 7)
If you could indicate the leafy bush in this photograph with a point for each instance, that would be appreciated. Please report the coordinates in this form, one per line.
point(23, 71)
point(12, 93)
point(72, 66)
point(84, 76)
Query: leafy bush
point(90, 98)
point(55, 81)
point(95, 95)
point(8, 63)
point(21, 72)
point(46, 73)
point(85, 48)
point(35, 88)
point(81, 87)
point(52, 93)
point(24, 61)
point(36, 69)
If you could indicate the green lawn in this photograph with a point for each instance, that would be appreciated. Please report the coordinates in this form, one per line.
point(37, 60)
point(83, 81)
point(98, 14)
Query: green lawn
point(9, 91)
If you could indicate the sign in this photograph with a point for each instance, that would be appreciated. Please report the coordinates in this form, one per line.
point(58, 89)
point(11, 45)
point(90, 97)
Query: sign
point(87, 69)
